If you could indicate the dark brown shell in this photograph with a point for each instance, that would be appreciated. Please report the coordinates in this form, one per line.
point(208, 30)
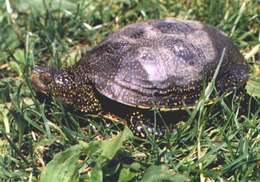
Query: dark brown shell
point(161, 63)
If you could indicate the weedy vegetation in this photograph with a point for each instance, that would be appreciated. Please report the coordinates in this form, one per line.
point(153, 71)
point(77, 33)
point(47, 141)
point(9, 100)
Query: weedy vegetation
point(41, 139)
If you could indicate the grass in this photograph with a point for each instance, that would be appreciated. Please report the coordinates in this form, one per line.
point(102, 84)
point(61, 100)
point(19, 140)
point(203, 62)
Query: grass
point(35, 132)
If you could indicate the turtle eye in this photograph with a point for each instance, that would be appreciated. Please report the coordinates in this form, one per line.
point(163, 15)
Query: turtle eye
point(62, 79)
point(62, 85)
point(59, 80)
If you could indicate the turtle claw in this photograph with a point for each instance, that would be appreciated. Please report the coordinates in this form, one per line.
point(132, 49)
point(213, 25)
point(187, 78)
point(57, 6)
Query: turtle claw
point(143, 126)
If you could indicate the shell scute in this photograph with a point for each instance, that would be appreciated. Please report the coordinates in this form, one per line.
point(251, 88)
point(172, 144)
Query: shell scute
point(173, 27)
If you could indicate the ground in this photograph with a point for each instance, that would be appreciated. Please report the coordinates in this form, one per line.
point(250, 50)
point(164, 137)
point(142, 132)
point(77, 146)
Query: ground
point(43, 139)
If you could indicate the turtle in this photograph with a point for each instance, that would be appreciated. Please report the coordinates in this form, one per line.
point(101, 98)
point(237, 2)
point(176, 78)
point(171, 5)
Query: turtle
point(158, 64)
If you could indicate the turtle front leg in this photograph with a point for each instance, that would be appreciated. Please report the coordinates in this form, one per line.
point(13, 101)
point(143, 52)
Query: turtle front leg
point(141, 122)
point(143, 125)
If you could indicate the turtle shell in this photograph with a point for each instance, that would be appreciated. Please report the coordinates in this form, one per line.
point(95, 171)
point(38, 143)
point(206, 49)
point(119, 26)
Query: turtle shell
point(160, 63)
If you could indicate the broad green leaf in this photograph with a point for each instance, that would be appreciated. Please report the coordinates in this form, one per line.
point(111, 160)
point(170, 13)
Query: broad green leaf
point(126, 175)
point(253, 84)
point(3, 57)
point(8, 38)
point(108, 150)
point(129, 172)
point(15, 67)
point(96, 174)
point(64, 167)
point(110, 147)
point(19, 56)
point(155, 173)
point(18, 64)
point(253, 87)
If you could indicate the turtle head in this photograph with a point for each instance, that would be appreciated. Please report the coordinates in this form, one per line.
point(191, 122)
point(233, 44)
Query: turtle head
point(64, 85)
point(49, 81)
